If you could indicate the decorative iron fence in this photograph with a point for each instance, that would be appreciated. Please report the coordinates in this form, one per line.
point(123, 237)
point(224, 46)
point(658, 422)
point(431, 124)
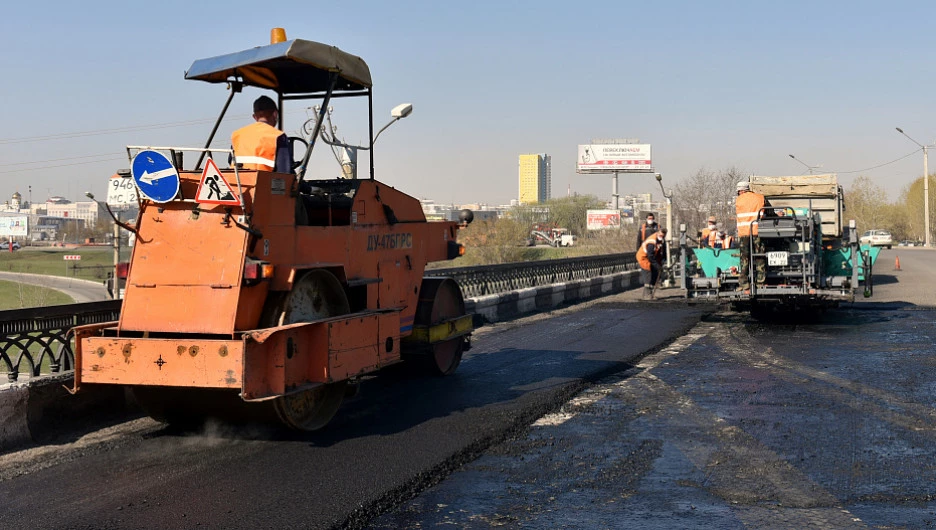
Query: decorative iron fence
point(35, 341)
point(494, 279)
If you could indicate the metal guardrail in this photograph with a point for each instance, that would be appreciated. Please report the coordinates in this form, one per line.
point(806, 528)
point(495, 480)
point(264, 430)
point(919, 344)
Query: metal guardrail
point(35, 341)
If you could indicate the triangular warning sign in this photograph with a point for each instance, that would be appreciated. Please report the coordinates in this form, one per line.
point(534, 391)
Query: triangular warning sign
point(213, 189)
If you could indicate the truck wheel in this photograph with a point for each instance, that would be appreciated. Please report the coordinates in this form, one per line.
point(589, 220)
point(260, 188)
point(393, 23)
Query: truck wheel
point(317, 295)
point(440, 299)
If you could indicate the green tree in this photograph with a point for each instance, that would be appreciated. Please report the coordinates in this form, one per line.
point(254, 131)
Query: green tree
point(912, 201)
point(493, 241)
point(570, 212)
point(706, 193)
point(866, 203)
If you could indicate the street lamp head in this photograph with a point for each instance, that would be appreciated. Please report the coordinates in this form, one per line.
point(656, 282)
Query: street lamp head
point(659, 177)
point(793, 157)
point(899, 130)
point(89, 195)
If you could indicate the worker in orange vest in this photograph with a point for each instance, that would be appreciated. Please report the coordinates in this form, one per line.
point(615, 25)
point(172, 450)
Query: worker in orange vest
point(646, 230)
point(650, 258)
point(719, 239)
point(708, 232)
point(747, 207)
point(261, 146)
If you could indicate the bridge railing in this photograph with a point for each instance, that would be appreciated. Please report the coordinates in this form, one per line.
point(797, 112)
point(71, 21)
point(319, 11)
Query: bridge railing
point(35, 341)
point(494, 279)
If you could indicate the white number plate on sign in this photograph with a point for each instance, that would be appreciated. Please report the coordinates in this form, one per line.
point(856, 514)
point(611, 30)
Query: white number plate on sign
point(775, 259)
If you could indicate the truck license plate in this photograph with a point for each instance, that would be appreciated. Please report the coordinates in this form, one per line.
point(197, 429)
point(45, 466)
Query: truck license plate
point(775, 259)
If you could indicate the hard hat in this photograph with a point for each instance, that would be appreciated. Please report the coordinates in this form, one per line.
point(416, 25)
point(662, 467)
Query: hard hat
point(712, 219)
point(744, 185)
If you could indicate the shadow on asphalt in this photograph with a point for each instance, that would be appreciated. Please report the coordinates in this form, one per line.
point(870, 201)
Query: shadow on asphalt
point(849, 314)
point(403, 397)
point(884, 279)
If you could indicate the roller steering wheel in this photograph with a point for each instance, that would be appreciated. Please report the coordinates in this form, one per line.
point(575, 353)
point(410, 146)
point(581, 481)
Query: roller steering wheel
point(292, 145)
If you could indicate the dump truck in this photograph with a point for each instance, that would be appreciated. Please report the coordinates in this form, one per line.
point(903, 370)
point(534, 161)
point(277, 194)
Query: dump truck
point(811, 257)
point(255, 295)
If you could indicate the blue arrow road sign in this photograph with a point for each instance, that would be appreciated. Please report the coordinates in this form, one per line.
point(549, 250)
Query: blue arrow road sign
point(155, 176)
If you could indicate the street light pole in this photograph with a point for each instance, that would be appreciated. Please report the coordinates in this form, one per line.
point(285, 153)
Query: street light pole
point(810, 168)
point(926, 216)
point(669, 221)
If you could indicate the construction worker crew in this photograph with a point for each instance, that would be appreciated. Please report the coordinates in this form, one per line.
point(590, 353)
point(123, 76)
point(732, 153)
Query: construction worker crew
point(719, 239)
point(260, 145)
point(747, 206)
point(646, 230)
point(650, 258)
point(707, 232)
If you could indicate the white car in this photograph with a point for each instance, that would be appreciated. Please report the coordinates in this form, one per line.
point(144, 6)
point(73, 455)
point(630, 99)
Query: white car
point(877, 238)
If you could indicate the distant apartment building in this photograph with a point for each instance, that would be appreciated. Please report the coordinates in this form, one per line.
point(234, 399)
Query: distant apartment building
point(60, 207)
point(535, 178)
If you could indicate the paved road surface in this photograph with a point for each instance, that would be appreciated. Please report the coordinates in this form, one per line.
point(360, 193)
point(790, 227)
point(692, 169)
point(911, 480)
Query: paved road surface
point(735, 424)
point(79, 290)
point(401, 435)
point(828, 423)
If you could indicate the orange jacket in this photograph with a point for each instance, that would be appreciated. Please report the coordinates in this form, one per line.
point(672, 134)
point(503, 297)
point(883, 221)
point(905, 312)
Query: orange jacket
point(647, 248)
point(255, 146)
point(706, 238)
point(747, 205)
point(718, 242)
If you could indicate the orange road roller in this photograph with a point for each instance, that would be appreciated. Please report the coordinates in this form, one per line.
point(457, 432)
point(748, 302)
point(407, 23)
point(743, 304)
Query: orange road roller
point(266, 295)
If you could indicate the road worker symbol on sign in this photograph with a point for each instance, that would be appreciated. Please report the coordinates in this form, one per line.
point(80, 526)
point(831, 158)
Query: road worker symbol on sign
point(213, 189)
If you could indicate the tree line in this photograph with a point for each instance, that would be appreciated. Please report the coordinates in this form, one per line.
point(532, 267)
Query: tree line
point(700, 195)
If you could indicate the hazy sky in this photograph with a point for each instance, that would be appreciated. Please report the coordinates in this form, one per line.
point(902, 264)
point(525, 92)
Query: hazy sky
point(711, 84)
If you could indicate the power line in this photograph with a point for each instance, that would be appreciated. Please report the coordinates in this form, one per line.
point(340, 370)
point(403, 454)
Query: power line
point(217, 144)
point(60, 159)
point(61, 165)
point(915, 151)
point(97, 132)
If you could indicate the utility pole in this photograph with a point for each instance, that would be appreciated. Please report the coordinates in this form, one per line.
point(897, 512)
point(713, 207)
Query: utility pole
point(115, 281)
point(926, 216)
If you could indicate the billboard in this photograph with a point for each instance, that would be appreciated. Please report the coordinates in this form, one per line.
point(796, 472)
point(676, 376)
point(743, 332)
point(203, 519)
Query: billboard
point(610, 158)
point(13, 225)
point(603, 219)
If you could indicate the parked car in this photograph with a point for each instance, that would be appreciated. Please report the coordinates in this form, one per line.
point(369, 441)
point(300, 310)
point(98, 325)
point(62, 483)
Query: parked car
point(910, 243)
point(877, 238)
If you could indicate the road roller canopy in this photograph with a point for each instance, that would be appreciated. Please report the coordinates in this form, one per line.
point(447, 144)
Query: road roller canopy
point(291, 67)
